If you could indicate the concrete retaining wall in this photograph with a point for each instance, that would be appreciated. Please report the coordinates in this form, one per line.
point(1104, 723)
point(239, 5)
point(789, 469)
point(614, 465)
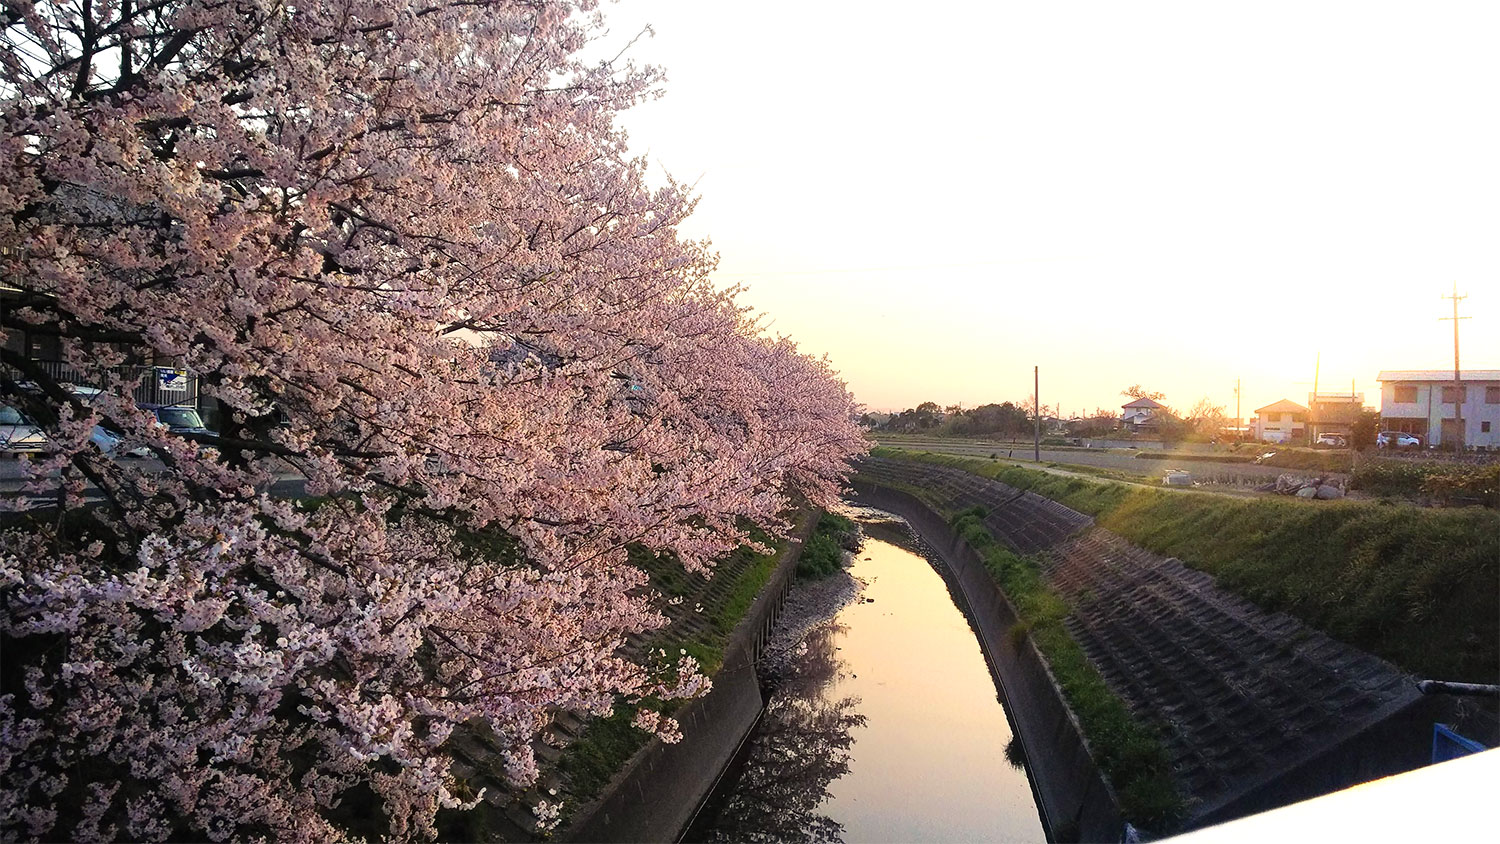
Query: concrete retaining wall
point(1075, 802)
point(657, 793)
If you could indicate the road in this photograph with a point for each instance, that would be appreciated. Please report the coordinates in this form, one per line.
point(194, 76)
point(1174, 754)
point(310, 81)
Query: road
point(12, 478)
point(1117, 459)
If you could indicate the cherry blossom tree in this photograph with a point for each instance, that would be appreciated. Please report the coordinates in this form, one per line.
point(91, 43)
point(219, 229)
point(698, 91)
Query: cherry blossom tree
point(404, 248)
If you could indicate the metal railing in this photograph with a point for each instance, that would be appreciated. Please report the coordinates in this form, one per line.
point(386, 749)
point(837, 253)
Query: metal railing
point(162, 385)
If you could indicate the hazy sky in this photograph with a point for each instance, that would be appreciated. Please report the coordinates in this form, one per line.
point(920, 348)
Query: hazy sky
point(1176, 194)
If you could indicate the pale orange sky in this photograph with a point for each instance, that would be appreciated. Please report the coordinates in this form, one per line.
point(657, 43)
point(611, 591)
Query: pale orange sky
point(1175, 194)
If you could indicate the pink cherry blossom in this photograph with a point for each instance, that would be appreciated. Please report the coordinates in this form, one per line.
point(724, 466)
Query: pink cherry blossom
point(404, 249)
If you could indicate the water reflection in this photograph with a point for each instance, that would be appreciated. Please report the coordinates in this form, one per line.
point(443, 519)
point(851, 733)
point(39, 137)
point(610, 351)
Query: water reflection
point(803, 745)
point(886, 728)
point(1015, 754)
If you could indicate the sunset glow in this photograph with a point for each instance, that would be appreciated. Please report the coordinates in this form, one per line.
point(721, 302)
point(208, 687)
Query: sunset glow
point(1174, 194)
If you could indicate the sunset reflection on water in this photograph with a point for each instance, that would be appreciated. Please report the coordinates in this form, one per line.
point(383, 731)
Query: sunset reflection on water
point(888, 728)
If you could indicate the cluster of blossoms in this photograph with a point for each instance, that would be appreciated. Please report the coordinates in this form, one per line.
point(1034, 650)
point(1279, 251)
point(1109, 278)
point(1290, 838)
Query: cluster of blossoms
point(404, 249)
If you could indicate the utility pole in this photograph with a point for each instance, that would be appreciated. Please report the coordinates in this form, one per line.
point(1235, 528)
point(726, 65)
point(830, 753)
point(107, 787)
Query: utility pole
point(1458, 382)
point(1358, 409)
point(1312, 423)
point(1036, 398)
point(1239, 423)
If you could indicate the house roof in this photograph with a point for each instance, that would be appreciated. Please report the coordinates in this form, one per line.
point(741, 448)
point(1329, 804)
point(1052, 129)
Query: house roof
point(1144, 403)
point(1438, 375)
point(1283, 406)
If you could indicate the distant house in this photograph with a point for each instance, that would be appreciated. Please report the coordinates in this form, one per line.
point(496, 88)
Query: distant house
point(1282, 422)
point(1334, 413)
point(1140, 415)
point(1425, 403)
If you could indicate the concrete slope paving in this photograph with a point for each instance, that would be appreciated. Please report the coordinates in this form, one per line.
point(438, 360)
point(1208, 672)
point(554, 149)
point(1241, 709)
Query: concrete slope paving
point(1244, 696)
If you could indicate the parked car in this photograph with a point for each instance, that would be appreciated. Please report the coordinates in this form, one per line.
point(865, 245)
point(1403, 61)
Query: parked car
point(105, 439)
point(1335, 440)
point(1397, 439)
point(18, 435)
point(178, 419)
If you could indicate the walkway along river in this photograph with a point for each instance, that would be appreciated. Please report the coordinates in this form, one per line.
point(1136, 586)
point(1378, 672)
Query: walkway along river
point(884, 726)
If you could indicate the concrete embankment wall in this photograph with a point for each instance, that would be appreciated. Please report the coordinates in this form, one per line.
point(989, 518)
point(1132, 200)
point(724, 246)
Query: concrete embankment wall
point(1399, 742)
point(654, 797)
point(1075, 802)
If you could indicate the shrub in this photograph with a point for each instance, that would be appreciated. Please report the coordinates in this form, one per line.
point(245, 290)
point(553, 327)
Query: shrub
point(823, 553)
point(1446, 482)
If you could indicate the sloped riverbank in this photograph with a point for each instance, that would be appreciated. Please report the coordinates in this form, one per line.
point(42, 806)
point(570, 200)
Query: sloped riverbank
point(1256, 708)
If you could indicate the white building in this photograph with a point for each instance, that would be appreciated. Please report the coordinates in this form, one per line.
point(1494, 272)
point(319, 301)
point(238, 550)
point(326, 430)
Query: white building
point(1425, 403)
point(1282, 422)
point(1139, 415)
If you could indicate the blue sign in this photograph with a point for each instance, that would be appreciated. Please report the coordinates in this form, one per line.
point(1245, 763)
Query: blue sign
point(1446, 744)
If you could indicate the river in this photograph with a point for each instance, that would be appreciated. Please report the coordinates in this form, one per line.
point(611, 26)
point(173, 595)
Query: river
point(885, 726)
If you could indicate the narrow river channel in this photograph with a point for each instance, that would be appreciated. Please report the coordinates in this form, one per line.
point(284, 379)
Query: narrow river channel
point(886, 725)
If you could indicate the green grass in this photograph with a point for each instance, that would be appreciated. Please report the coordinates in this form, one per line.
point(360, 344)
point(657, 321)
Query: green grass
point(823, 553)
point(1127, 751)
point(1417, 586)
point(604, 748)
point(746, 589)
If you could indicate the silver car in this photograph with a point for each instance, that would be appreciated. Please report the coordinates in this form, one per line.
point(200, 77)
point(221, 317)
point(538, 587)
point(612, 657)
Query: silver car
point(17, 433)
point(1397, 439)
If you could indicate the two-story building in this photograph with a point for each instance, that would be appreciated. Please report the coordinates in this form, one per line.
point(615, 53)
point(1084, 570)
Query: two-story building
point(1333, 413)
point(1140, 415)
point(1427, 403)
point(1282, 422)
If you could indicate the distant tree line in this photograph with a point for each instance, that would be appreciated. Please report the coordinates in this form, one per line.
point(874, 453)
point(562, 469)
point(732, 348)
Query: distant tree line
point(1204, 422)
point(1006, 419)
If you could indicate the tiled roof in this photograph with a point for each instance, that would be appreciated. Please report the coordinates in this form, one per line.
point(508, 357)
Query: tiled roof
point(1437, 375)
point(1144, 403)
point(1283, 406)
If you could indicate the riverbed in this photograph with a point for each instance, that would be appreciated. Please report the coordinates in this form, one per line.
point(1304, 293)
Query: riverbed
point(885, 724)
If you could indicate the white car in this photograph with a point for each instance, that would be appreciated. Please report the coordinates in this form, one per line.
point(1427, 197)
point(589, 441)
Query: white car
point(1335, 440)
point(17, 433)
point(105, 439)
point(1397, 439)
